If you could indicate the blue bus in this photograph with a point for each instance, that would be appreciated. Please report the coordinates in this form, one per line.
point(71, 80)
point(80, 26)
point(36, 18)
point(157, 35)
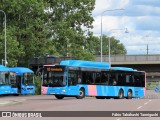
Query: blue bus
point(24, 80)
point(80, 78)
point(5, 87)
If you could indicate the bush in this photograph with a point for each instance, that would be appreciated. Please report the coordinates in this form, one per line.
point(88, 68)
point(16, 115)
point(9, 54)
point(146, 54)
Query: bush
point(152, 85)
point(38, 85)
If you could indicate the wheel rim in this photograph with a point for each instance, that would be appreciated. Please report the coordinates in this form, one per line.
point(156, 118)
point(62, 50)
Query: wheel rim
point(121, 94)
point(129, 94)
point(81, 93)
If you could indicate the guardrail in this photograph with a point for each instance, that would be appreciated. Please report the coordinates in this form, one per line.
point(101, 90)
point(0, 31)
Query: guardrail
point(132, 59)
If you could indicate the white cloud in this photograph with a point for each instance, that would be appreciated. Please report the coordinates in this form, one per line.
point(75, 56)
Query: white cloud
point(141, 17)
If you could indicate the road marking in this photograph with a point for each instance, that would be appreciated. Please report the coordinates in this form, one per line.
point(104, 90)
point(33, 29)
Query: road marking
point(139, 107)
point(150, 100)
point(146, 103)
point(118, 118)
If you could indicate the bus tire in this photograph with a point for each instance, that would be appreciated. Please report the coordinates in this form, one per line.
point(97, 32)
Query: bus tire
point(120, 94)
point(81, 94)
point(59, 96)
point(129, 94)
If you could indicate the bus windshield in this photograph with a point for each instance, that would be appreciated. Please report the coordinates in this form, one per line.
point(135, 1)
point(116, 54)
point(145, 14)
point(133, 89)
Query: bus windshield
point(4, 78)
point(28, 78)
point(53, 79)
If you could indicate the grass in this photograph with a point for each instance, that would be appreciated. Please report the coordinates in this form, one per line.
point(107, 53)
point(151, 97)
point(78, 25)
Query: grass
point(152, 85)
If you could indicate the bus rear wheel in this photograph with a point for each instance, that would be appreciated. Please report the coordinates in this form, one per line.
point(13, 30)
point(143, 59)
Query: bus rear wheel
point(81, 94)
point(121, 94)
point(59, 96)
point(129, 94)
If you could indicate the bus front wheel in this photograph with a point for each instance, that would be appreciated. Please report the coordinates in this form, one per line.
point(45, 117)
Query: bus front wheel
point(81, 94)
point(59, 96)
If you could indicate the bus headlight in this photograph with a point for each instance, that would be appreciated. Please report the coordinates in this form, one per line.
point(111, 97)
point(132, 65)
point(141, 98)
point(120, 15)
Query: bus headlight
point(63, 91)
point(24, 89)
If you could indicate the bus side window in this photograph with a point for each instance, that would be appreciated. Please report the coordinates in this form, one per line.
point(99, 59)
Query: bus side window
point(110, 81)
point(114, 81)
point(71, 81)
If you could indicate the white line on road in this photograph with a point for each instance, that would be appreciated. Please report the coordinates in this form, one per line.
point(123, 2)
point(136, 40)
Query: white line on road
point(139, 107)
point(146, 103)
point(150, 100)
point(118, 119)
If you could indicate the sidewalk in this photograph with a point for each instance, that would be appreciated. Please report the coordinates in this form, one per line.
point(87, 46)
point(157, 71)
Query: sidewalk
point(10, 102)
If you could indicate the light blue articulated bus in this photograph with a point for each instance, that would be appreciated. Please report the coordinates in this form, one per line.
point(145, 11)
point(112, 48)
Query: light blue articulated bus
point(5, 87)
point(80, 78)
point(24, 80)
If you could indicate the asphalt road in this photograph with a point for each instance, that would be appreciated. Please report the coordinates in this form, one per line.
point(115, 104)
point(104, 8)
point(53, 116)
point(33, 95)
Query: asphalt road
point(49, 103)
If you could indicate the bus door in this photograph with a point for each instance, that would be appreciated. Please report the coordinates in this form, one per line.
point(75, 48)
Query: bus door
point(19, 84)
point(72, 83)
point(13, 81)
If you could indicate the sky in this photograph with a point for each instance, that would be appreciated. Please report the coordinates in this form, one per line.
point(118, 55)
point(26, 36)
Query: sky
point(140, 17)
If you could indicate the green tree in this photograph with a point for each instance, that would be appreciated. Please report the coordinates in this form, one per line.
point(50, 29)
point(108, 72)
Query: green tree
point(38, 81)
point(27, 30)
point(68, 17)
point(116, 48)
point(36, 27)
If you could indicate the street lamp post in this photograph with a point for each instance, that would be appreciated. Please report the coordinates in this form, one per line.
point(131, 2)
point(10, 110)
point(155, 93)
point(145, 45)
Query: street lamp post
point(5, 54)
point(109, 43)
point(101, 27)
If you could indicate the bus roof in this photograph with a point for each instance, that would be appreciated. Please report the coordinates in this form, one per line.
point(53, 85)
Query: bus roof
point(3, 68)
point(21, 70)
point(123, 68)
point(86, 64)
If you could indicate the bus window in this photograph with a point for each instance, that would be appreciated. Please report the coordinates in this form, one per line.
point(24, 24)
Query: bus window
point(4, 78)
point(112, 79)
point(87, 77)
point(121, 79)
point(104, 78)
point(72, 78)
point(139, 80)
point(129, 80)
point(79, 77)
point(98, 78)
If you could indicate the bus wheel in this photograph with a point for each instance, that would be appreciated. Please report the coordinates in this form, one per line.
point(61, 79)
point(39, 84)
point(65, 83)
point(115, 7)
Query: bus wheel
point(59, 96)
point(129, 94)
point(81, 94)
point(121, 94)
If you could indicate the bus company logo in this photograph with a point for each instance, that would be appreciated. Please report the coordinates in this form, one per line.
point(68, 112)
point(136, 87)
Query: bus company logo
point(21, 114)
point(6, 114)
